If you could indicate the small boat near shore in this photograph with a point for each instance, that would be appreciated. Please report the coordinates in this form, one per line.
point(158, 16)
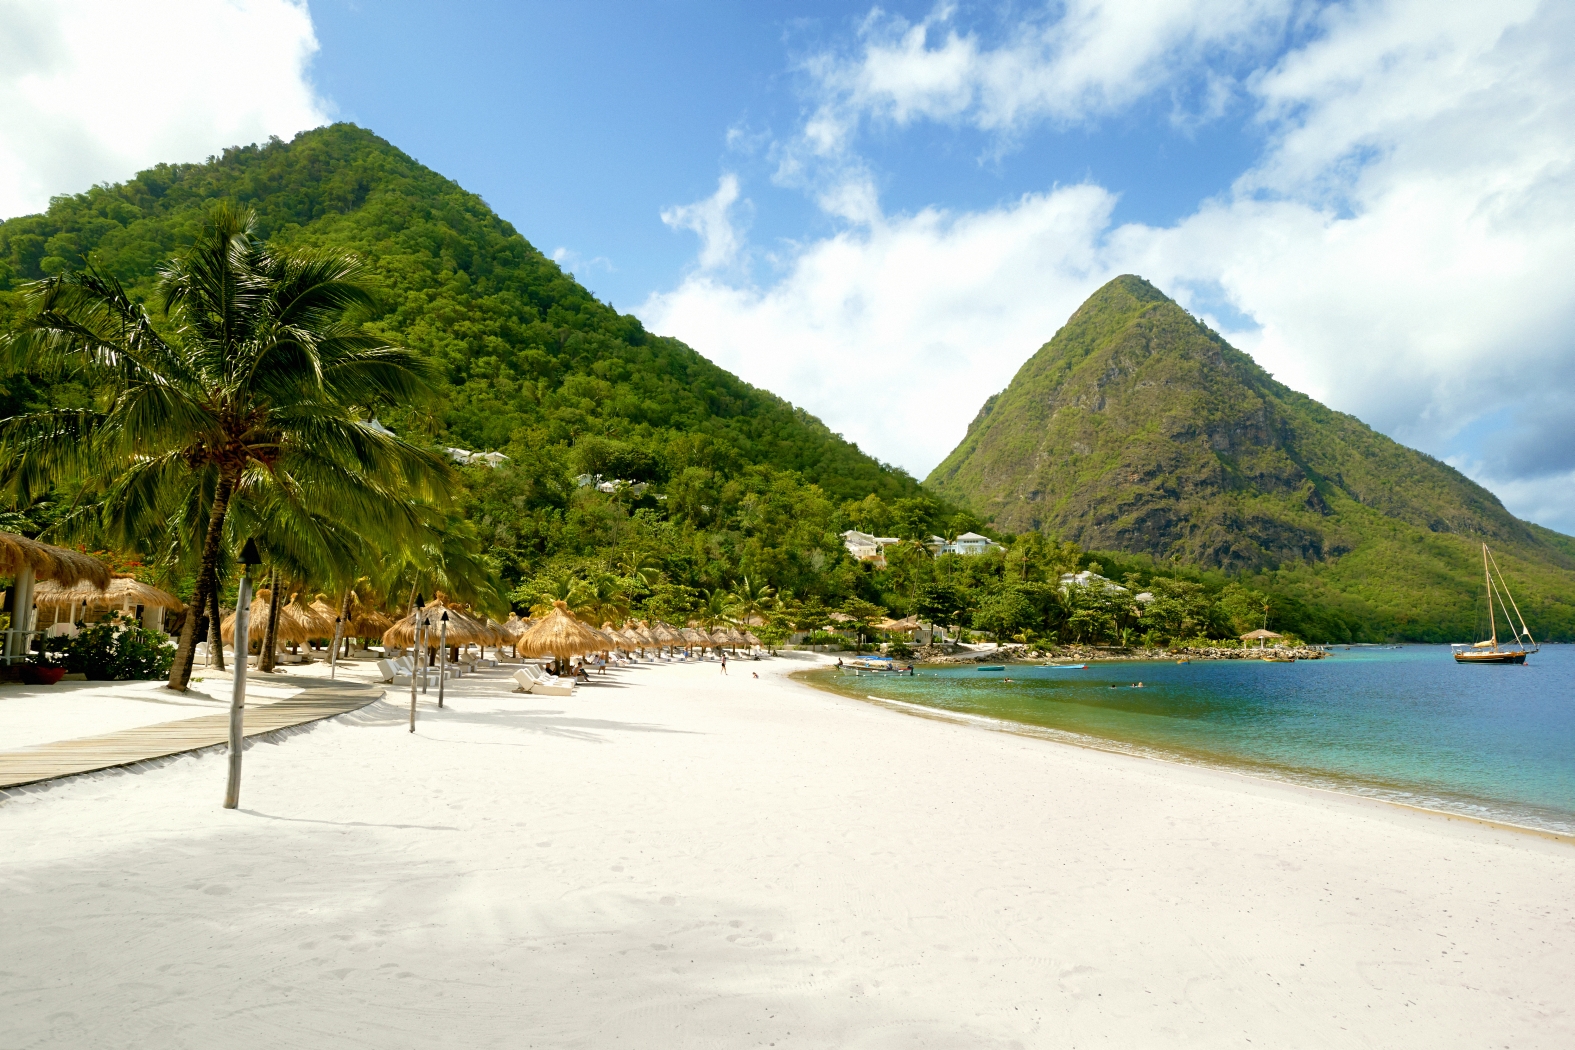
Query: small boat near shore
point(1490, 651)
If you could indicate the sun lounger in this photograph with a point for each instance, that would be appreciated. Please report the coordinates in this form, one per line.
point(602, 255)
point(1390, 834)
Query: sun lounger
point(533, 680)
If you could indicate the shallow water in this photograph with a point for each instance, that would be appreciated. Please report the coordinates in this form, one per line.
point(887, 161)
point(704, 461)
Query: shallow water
point(1406, 723)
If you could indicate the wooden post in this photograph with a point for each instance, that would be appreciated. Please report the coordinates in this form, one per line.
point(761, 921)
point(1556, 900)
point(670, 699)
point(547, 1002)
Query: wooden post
point(416, 655)
point(442, 655)
point(232, 789)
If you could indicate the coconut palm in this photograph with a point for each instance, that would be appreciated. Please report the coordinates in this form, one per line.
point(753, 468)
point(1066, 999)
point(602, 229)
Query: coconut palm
point(751, 600)
point(257, 382)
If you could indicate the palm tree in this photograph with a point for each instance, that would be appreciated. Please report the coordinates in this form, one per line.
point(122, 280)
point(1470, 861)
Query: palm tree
point(254, 388)
point(750, 600)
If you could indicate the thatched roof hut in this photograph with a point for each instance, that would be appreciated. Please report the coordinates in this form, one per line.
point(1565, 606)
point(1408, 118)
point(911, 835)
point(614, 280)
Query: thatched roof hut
point(123, 592)
point(561, 634)
point(60, 564)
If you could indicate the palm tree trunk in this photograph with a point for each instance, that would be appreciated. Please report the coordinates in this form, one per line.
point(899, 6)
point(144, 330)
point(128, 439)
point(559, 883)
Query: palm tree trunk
point(215, 641)
point(344, 618)
point(270, 642)
point(207, 583)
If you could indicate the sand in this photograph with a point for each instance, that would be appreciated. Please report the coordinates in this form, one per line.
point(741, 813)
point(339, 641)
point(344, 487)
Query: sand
point(677, 859)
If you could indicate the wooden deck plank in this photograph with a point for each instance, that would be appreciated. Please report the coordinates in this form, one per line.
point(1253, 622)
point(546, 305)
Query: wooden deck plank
point(319, 699)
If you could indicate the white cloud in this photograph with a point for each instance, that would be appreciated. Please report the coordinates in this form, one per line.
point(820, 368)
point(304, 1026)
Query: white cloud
point(1401, 248)
point(712, 220)
point(1081, 59)
point(94, 90)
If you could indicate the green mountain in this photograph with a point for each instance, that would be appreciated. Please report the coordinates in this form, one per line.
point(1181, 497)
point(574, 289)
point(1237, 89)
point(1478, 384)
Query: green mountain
point(1137, 429)
point(742, 484)
point(532, 359)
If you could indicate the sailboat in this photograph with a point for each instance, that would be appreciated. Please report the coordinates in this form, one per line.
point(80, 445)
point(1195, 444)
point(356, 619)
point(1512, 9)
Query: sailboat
point(1492, 651)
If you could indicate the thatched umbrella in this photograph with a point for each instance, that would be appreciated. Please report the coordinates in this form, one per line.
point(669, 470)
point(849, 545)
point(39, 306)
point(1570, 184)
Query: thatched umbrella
point(48, 562)
point(292, 626)
point(462, 630)
point(631, 637)
point(560, 635)
point(366, 622)
point(1261, 636)
point(617, 640)
point(320, 623)
point(749, 637)
point(664, 635)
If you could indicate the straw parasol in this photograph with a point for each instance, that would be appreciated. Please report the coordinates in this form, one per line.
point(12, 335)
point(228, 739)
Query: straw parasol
point(1260, 636)
point(48, 562)
point(326, 612)
point(750, 639)
point(694, 636)
point(366, 622)
point(122, 591)
point(309, 617)
point(462, 629)
point(631, 637)
point(642, 632)
point(513, 627)
point(293, 627)
point(617, 639)
point(560, 634)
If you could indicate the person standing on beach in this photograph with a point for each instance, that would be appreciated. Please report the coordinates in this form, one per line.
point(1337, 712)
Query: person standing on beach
point(724, 662)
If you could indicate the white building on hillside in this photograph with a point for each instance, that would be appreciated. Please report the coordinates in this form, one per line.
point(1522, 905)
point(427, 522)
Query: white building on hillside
point(967, 543)
point(1092, 579)
point(866, 547)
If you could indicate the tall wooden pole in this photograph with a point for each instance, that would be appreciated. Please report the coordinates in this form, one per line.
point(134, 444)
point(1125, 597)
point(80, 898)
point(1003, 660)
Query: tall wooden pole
point(442, 655)
point(232, 788)
point(415, 662)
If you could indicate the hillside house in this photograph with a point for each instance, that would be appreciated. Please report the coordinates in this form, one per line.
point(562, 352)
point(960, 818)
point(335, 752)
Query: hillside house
point(865, 547)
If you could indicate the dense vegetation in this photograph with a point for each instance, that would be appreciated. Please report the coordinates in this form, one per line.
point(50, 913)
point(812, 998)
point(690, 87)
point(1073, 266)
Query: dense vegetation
point(742, 484)
point(1138, 429)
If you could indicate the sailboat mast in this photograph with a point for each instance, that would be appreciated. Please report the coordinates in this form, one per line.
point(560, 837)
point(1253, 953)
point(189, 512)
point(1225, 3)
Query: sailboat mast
point(1487, 580)
point(1525, 633)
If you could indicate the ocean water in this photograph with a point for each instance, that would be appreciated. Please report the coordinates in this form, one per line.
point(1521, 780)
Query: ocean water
point(1406, 723)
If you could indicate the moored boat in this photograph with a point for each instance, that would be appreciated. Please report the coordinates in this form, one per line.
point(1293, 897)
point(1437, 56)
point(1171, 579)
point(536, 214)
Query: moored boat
point(1490, 650)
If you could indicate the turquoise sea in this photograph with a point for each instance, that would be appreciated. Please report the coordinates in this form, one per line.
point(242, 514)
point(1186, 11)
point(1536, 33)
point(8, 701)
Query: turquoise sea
point(1404, 723)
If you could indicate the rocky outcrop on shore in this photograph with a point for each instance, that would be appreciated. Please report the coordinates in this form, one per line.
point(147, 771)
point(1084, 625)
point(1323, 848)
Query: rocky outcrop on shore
point(1091, 653)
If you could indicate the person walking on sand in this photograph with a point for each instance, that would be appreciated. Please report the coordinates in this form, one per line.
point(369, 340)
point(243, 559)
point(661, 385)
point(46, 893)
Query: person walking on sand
point(724, 663)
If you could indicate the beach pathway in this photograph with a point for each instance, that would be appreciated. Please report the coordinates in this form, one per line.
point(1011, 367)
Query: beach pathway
point(319, 698)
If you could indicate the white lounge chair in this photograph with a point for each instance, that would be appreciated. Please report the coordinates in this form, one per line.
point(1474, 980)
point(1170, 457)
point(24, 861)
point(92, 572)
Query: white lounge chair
point(533, 680)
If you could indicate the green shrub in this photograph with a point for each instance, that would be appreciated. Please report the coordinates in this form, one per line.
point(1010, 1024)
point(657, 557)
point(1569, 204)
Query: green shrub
point(115, 650)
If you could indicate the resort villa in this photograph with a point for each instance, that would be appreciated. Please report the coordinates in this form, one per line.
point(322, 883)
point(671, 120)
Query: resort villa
point(865, 547)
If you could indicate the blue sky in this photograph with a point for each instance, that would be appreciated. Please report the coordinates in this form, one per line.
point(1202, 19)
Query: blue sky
point(581, 122)
point(881, 212)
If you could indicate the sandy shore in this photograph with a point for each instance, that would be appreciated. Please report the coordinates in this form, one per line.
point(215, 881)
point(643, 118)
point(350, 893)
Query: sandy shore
point(674, 858)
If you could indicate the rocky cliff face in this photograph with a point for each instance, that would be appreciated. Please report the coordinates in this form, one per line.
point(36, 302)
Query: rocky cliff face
point(1137, 428)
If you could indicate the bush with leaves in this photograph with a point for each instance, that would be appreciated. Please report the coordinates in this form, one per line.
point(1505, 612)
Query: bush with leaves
point(117, 650)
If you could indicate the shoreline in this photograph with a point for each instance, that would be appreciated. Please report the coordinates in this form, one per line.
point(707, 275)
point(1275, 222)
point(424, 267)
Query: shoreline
point(1258, 772)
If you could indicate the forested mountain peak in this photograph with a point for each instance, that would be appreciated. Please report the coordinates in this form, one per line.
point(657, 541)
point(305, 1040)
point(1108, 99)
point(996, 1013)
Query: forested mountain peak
point(1136, 428)
point(531, 357)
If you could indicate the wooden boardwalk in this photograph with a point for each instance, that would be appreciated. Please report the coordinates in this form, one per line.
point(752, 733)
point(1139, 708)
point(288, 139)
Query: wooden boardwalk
point(319, 699)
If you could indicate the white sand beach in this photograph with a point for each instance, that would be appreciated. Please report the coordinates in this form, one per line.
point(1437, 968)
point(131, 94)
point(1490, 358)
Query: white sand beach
point(673, 858)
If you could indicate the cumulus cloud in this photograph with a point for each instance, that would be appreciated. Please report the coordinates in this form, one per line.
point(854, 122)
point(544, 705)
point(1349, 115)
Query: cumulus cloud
point(1076, 61)
point(94, 90)
point(712, 219)
point(1399, 249)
